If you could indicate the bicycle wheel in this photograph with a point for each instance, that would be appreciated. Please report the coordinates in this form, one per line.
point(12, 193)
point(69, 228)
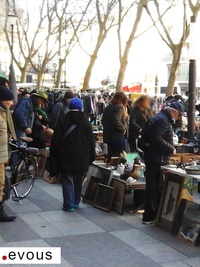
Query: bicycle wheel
point(25, 176)
point(7, 189)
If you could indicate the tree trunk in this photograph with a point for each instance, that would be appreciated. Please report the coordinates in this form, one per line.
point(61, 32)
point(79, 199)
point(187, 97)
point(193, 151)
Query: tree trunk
point(86, 83)
point(23, 75)
point(24, 71)
point(122, 70)
point(174, 67)
point(59, 73)
point(124, 59)
point(39, 79)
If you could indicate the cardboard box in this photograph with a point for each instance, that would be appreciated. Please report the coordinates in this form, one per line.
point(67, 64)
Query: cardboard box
point(186, 157)
point(175, 159)
point(50, 179)
point(44, 153)
point(183, 157)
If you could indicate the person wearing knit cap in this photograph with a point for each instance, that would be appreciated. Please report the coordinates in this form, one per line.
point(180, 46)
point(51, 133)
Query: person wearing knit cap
point(60, 108)
point(7, 131)
point(74, 153)
point(4, 82)
point(76, 104)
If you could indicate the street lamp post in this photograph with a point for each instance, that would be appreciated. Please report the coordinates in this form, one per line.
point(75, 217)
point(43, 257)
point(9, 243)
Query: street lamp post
point(192, 79)
point(54, 67)
point(12, 82)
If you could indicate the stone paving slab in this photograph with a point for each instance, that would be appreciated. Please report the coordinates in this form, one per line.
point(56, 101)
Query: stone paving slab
point(194, 262)
point(175, 264)
point(159, 252)
point(90, 236)
point(134, 237)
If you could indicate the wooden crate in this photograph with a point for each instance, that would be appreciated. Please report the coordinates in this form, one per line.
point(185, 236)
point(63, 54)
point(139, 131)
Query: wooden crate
point(183, 157)
point(50, 179)
point(43, 154)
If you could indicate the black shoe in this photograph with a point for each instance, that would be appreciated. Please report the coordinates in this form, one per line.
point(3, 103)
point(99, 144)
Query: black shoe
point(69, 209)
point(5, 218)
point(149, 222)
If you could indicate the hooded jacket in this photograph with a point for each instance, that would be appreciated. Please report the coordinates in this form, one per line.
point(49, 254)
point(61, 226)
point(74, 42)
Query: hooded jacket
point(77, 151)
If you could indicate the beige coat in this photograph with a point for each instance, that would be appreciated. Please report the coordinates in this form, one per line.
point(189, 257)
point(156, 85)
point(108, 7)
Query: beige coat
point(3, 136)
point(5, 119)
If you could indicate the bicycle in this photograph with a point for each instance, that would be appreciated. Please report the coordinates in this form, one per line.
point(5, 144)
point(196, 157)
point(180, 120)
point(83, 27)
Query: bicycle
point(23, 172)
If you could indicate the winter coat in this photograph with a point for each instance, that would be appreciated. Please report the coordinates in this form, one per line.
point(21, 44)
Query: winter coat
point(77, 151)
point(23, 115)
point(6, 125)
point(58, 110)
point(159, 138)
point(138, 120)
point(114, 122)
point(3, 136)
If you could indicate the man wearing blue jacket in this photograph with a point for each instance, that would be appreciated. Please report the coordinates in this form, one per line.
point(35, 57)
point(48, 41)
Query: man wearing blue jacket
point(24, 116)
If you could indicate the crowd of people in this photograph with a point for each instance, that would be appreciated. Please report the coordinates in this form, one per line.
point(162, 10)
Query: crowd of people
point(67, 123)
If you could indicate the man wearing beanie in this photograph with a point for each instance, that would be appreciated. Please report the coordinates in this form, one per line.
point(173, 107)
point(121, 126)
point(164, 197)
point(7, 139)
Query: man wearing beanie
point(60, 108)
point(74, 152)
point(6, 129)
point(4, 82)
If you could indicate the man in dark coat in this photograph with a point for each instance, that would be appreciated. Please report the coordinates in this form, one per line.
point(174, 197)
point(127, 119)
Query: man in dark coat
point(24, 116)
point(75, 152)
point(159, 146)
point(60, 108)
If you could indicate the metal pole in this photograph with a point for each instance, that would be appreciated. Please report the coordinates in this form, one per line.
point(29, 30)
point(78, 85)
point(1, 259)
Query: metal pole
point(65, 75)
point(54, 76)
point(192, 83)
point(12, 81)
point(191, 98)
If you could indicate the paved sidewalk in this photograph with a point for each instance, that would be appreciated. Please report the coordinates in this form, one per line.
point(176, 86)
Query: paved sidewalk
point(90, 237)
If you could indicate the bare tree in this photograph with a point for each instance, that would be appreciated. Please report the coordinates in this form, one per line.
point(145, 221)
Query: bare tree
point(104, 21)
point(70, 28)
point(164, 33)
point(29, 37)
point(194, 8)
point(58, 27)
point(123, 57)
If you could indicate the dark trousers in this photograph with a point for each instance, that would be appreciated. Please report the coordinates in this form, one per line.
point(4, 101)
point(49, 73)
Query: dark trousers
point(115, 147)
point(71, 188)
point(153, 191)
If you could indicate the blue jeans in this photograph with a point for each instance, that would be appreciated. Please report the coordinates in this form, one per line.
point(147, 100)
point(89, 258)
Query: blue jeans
point(71, 188)
point(19, 134)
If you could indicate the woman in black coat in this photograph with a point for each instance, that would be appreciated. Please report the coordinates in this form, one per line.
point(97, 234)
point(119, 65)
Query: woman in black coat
point(74, 153)
point(140, 115)
point(115, 124)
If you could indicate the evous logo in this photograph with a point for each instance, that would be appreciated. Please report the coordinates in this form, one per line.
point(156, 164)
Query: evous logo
point(30, 255)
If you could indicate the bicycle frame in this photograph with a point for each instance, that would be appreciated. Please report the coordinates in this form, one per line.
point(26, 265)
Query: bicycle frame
point(23, 159)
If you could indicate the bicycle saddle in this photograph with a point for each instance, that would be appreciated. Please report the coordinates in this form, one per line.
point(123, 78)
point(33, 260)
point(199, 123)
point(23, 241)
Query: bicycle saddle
point(32, 150)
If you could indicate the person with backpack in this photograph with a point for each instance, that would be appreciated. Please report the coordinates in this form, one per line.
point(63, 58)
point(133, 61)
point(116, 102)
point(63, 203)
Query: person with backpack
point(73, 146)
point(157, 145)
point(60, 109)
